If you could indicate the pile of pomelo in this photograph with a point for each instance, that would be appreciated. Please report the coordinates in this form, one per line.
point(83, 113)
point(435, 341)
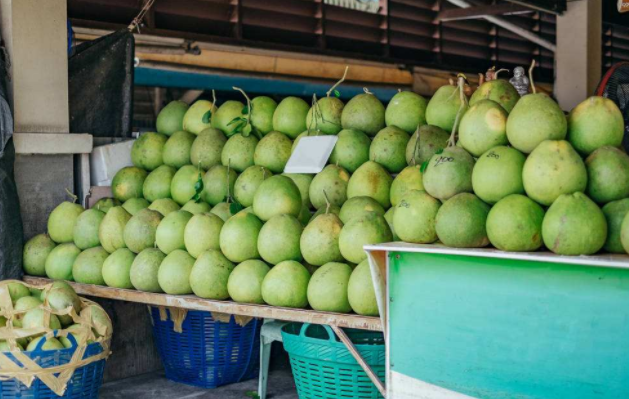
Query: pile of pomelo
point(28, 315)
point(207, 210)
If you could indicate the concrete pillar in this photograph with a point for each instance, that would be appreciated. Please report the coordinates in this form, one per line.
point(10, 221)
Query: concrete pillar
point(35, 33)
point(579, 52)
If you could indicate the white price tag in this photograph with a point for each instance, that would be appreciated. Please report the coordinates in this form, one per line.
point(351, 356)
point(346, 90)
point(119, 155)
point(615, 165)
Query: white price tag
point(311, 154)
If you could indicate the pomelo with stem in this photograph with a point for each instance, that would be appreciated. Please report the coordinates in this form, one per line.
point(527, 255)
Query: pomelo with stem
point(332, 183)
point(364, 112)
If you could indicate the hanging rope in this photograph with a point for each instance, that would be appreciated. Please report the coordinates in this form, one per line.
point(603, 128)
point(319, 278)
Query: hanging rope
point(138, 19)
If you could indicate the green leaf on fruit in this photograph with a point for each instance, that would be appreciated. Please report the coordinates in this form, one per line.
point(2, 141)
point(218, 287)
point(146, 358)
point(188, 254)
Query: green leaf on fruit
point(207, 117)
point(252, 394)
point(245, 110)
point(337, 93)
point(439, 151)
point(237, 119)
point(235, 207)
point(198, 188)
point(424, 166)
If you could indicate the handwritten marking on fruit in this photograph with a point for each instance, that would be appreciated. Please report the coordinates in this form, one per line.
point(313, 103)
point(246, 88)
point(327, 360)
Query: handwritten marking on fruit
point(443, 159)
point(492, 154)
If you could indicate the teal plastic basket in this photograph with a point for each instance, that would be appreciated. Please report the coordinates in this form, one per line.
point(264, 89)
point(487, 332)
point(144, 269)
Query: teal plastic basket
point(324, 368)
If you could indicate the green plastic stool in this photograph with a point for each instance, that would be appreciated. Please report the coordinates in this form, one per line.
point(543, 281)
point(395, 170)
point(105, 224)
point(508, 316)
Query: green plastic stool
point(271, 331)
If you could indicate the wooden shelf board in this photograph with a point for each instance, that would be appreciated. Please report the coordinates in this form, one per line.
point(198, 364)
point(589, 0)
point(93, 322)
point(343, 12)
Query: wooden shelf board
point(195, 303)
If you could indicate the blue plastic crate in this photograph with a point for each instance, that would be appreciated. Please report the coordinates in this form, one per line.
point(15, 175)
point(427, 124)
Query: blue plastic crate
point(207, 353)
point(84, 384)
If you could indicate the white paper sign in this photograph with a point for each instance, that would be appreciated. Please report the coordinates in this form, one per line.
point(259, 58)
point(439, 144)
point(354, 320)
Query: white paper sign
point(311, 154)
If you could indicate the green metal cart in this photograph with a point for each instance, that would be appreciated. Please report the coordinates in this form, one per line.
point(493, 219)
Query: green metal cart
point(482, 323)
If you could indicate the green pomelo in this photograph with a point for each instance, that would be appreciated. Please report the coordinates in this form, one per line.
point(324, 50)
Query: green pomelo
point(182, 186)
point(170, 118)
point(128, 183)
point(173, 275)
point(140, 230)
point(388, 216)
point(117, 269)
point(351, 149)
point(4, 346)
point(608, 174)
point(36, 292)
point(279, 239)
point(62, 220)
point(534, 119)
point(444, 106)
point(594, 123)
point(248, 182)
point(34, 318)
point(307, 133)
point(364, 112)
point(323, 210)
point(99, 319)
point(460, 222)
point(414, 218)
point(87, 268)
point(207, 148)
point(407, 111)
point(245, 281)
point(431, 140)
point(147, 150)
point(222, 210)
point(157, 183)
point(286, 285)
point(59, 263)
point(164, 206)
point(135, 205)
point(223, 118)
point(483, 127)
point(273, 152)
point(105, 204)
point(239, 237)
point(218, 183)
point(358, 207)
point(177, 149)
point(238, 152)
point(624, 234)
point(86, 228)
point(196, 207)
point(209, 275)
point(262, 110)
point(515, 224)
point(410, 178)
point(169, 235)
point(57, 284)
point(327, 289)
point(388, 148)
point(552, 169)
point(290, 116)
point(144, 269)
point(615, 213)
point(319, 242)
point(305, 215)
point(303, 182)
point(202, 233)
point(275, 196)
point(17, 290)
point(574, 225)
point(371, 180)
point(498, 90)
point(35, 252)
point(366, 230)
point(360, 291)
point(50, 344)
point(193, 119)
point(26, 303)
point(449, 173)
point(498, 173)
point(330, 183)
point(59, 299)
point(111, 230)
point(325, 116)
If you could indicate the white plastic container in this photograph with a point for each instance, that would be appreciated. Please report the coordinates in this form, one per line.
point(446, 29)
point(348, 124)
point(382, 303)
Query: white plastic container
point(108, 159)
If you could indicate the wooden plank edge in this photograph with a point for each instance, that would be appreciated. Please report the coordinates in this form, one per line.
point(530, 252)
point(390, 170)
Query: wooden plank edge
point(196, 303)
point(52, 143)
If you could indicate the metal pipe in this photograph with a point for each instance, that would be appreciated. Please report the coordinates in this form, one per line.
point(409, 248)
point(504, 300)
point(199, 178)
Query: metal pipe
point(511, 27)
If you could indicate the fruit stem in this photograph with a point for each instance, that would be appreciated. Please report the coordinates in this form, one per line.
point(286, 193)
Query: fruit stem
point(498, 71)
point(249, 106)
point(339, 82)
point(73, 196)
point(531, 77)
point(327, 202)
point(416, 150)
point(366, 90)
point(213, 98)
point(316, 113)
point(463, 100)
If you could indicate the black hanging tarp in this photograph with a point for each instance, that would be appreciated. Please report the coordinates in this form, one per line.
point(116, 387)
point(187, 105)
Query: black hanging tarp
point(100, 88)
point(11, 234)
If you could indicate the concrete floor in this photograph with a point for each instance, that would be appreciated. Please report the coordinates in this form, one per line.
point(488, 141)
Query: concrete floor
point(156, 386)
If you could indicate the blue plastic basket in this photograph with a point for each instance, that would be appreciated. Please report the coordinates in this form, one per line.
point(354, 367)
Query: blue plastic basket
point(207, 353)
point(84, 384)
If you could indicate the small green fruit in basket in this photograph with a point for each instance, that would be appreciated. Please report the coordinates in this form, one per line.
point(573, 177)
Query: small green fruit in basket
point(359, 206)
point(59, 262)
point(245, 281)
point(26, 303)
point(111, 230)
point(147, 150)
point(4, 346)
point(135, 205)
point(144, 270)
point(34, 318)
point(371, 180)
point(170, 118)
point(209, 275)
point(128, 183)
point(88, 266)
point(368, 229)
point(157, 183)
point(164, 206)
point(86, 228)
point(364, 112)
point(174, 273)
point(60, 299)
point(286, 285)
point(17, 291)
point(62, 220)
point(105, 204)
point(116, 269)
point(64, 285)
point(290, 116)
point(360, 291)
point(101, 323)
point(327, 289)
point(36, 250)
